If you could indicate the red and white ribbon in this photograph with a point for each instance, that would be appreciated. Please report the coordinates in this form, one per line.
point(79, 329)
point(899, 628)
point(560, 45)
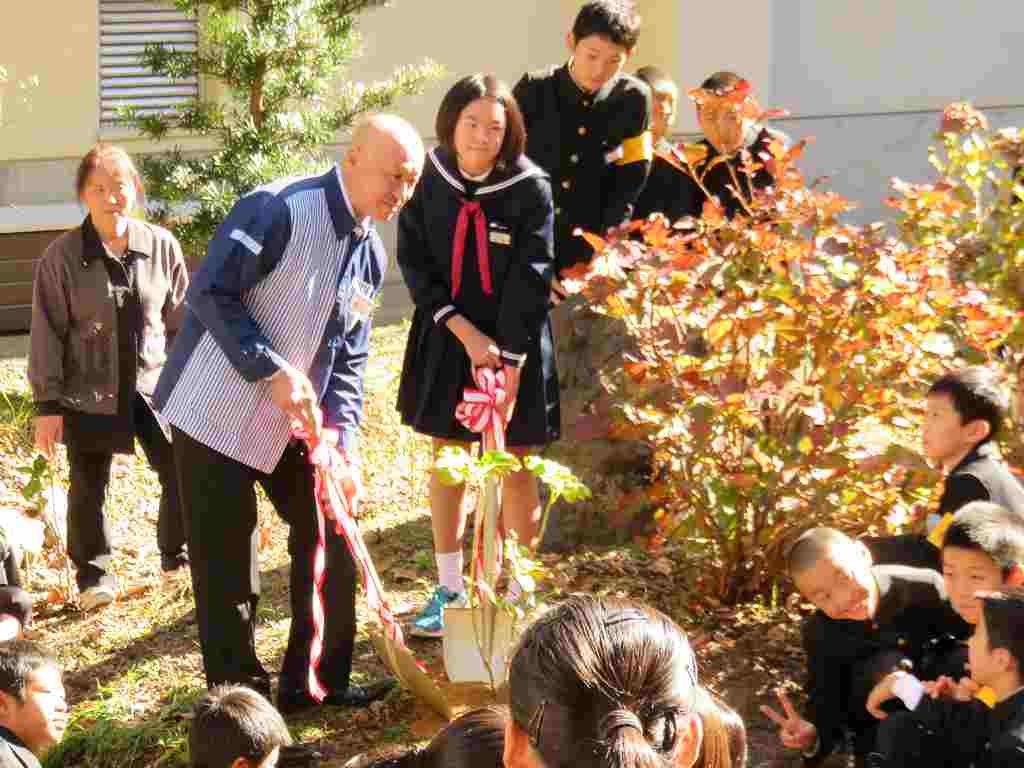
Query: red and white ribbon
point(332, 502)
point(479, 410)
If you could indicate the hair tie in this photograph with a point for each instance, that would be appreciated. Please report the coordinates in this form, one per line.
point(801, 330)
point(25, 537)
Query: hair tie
point(620, 718)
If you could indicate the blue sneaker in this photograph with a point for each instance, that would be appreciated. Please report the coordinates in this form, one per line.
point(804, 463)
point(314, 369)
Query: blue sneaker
point(430, 622)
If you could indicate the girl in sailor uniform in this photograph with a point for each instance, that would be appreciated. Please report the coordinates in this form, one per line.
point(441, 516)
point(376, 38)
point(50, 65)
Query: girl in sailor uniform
point(475, 249)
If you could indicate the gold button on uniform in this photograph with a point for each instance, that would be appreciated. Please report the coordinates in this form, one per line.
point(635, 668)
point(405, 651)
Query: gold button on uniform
point(901, 641)
point(558, 211)
point(574, 159)
point(582, 130)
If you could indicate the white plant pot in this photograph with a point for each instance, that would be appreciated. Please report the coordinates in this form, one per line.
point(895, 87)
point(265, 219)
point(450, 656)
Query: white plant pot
point(463, 639)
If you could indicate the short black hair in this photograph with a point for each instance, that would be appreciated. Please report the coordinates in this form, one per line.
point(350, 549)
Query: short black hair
point(465, 92)
point(977, 394)
point(986, 527)
point(232, 721)
point(811, 546)
point(1004, 621)
point(721, 82)
point(18, 660)
point(616, 20)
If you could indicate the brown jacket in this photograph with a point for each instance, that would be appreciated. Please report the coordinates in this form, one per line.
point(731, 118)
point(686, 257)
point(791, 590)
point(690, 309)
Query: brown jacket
point(73, 356)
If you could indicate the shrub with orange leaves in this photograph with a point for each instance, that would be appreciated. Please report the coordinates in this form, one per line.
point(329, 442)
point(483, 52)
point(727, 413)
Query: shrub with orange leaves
point(976, 208)
point(821, 339)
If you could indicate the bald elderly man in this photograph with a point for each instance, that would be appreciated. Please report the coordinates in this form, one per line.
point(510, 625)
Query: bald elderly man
point(277, 333)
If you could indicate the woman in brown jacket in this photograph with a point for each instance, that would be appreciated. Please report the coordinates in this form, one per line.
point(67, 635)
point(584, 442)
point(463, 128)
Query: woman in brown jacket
point(107, 299)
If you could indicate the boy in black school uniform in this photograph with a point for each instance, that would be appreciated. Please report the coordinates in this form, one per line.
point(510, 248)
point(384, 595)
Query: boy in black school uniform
point(731, 124)
point(963, 414)
point(974, 733)
point(669, 190)
point(587, 125)
point(949, 722)
point(871, 620)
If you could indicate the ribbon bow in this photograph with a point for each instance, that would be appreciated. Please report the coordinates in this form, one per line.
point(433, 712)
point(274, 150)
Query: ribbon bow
point(479, 410)
point(471, 210)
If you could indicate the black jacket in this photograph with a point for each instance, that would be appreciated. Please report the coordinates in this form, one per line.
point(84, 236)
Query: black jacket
point(596, 148)
point(913, 613)
point(943, 732)
point(980, 476)
point(669, 191)
point(1005, 746)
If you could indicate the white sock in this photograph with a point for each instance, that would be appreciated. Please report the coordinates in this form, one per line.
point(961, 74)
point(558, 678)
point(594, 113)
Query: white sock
point(449, 570)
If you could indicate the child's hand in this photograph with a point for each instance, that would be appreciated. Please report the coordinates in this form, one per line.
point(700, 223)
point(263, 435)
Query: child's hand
point(948, 688)
point(794, 731)
point(881, 693)
point(966, 689)
point(942, 688)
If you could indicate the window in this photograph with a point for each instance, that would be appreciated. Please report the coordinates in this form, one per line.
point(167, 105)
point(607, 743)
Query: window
point(126, 26)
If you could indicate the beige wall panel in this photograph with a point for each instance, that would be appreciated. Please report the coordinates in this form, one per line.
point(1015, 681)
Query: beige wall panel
point(60, 48)
point(711, 36)
point(882, 56)
point(506, 38)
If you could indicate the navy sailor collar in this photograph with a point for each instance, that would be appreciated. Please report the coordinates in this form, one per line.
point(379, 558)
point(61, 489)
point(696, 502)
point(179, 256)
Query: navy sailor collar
point(498, 180)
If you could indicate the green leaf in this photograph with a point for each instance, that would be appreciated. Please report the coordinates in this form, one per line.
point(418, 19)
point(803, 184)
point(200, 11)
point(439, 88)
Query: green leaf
point(454, 466)
point(563, 483)
point(496, 464)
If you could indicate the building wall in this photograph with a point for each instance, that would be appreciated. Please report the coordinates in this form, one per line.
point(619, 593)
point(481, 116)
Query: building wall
point(866, 79)
point(869, 80)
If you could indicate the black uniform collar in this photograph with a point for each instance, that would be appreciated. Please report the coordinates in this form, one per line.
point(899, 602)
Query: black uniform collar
point(886, 607)
point(984, 451)
point(892, 600)
point(141, 242)
point(499, 179)
point(570, 92)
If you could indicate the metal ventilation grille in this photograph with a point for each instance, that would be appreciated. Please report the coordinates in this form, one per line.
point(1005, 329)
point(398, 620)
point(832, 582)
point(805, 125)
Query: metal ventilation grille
point(126, 26)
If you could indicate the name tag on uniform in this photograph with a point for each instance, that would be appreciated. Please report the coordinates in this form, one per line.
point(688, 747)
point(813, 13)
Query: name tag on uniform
point(499, 234)
point(362, 300)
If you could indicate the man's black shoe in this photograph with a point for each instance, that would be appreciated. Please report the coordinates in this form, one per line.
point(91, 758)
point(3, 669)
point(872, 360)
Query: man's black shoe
point(291, 701)
point(171, 563)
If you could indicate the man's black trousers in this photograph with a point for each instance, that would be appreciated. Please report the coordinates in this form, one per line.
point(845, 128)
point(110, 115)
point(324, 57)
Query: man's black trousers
point(218, 496)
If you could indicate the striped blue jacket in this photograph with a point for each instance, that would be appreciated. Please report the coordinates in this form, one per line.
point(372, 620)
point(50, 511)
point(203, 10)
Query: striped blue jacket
point(289, 276)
